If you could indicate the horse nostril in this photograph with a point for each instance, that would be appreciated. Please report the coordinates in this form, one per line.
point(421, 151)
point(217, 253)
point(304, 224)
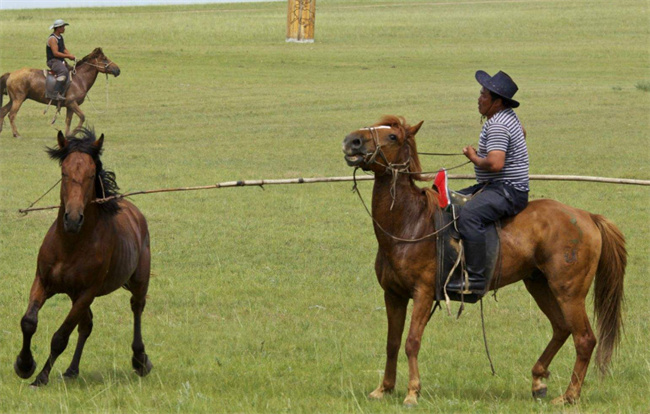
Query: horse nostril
point(81, 218)
point(356, 143)
point(65, 216)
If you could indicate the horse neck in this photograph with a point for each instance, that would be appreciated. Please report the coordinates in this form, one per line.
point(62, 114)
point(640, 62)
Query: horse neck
point(405, 216)
point(86, 76)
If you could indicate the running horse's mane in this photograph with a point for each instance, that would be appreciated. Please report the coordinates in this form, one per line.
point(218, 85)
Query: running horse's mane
point(105, 184)
point(97, 52)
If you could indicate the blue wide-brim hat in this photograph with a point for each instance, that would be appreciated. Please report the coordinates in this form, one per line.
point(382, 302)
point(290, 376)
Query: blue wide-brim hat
point(501, 84)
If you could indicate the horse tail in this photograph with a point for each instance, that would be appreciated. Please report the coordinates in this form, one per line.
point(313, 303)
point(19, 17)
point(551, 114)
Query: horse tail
point(608, 290)
point(3, 86)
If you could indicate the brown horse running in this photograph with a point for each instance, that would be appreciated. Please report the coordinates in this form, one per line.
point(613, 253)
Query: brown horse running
point(30, 84)
point(555, 249)
point(91, 250)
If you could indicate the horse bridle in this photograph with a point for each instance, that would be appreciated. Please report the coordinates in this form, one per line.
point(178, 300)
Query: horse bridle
point(395, 170)
point(109, 63)
point(371, 158)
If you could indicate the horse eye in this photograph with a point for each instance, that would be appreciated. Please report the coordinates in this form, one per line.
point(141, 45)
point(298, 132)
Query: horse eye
point(392, 137)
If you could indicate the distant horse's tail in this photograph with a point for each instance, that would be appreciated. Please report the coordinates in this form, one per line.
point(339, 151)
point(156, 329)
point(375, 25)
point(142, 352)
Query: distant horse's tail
point(3, 86)
point(608, 291)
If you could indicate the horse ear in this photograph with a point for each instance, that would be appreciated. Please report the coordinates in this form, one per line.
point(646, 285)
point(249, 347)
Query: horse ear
point(60, 138)
point(99, 142)
point(415, 128)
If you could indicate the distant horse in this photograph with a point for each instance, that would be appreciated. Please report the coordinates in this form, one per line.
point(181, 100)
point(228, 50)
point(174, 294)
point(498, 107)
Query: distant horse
point(30, 84)
point(91, 250)
point(555, 249)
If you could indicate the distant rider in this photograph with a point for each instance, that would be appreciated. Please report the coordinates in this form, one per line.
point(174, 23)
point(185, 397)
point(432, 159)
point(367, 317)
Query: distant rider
point(56, 56)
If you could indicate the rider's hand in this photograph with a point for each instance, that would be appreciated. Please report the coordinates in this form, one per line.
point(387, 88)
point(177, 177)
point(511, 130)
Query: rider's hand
point(469, 152)
point(72, 57)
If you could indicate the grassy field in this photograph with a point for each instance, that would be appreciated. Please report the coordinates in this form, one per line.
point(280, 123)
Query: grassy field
point(266, 301)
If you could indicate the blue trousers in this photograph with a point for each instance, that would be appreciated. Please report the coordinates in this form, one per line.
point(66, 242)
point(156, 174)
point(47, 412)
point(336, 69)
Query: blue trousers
point(497, 200)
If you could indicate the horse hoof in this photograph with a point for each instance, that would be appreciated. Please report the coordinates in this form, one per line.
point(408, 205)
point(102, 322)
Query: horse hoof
point(564, 399)
point(411, 401)
point(377, 394)
point(71, 374)
point(540, 393)
point(24, 373)
point(142, 368)
point(38, 383)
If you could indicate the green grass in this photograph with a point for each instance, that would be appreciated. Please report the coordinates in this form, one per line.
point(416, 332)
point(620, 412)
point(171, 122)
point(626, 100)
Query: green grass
point(643, 86)
point(266, 301)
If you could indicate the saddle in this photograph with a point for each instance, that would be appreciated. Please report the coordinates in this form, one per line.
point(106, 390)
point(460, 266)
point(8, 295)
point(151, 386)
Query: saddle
point(448, 244)
point(50, 83)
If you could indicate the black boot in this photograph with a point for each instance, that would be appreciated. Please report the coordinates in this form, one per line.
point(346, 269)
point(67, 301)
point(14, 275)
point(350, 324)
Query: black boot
point(475, 253)
point(59, 88)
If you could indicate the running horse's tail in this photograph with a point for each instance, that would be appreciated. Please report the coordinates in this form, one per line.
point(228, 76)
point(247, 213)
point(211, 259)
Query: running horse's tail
point(608, 290)
point(3, 86)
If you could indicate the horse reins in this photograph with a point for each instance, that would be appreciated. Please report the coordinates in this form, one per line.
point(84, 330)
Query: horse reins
point(355, 188)
point(109, 63)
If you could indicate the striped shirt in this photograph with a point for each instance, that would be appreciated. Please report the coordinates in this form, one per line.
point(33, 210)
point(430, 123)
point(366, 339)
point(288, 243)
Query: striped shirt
point(503, 132)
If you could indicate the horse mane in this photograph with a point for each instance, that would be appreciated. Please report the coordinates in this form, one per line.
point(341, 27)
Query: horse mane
point(92, 55)
point(415, 166)
point(105, 184)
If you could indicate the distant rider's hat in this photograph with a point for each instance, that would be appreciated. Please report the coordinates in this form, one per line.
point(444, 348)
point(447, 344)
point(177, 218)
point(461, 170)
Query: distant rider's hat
point(58, 23)
point(501, 84)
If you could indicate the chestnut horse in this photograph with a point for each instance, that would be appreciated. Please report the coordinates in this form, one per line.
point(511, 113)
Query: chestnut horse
point(30, 84)
point(555, 249)
point(91, 250)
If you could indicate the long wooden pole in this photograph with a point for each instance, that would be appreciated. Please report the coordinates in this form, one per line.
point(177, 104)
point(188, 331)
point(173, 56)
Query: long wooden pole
point(262, 183)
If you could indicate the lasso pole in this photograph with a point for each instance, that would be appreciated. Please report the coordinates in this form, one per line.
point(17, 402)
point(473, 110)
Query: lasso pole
point(262, 183)
point(567, 178)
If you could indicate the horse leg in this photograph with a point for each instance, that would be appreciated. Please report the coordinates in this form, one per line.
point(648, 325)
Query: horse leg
point(539, 290)
point(422, 301)
point(68, 120)
point(3, 112)
point(138, 285)
point(396, 313)
point(25, 364)
point(60, 338)
point(15, 106)
point(75, 108)
point(84, 330)
point(584, 341)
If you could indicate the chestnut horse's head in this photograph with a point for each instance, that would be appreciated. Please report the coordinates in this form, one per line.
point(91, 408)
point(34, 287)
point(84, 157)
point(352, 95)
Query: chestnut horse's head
point(82, 177)
point(390, 142)
point(99, 60)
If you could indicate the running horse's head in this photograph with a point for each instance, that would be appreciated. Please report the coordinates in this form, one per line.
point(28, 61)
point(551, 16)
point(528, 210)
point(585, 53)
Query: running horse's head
point(387, 144)
point(83, 178)
point(99, 60)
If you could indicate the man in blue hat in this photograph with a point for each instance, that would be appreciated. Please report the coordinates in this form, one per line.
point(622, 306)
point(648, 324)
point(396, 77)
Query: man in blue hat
point(56, 56)
point(501, 167)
